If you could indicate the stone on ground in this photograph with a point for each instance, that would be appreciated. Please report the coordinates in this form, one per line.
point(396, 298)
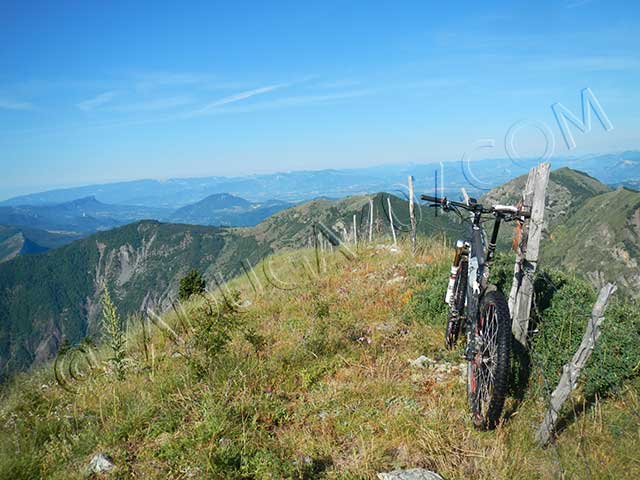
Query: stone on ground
point(411, 474)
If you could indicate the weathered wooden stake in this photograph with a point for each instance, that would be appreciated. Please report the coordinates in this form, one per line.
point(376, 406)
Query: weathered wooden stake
point(393, 230)
point(355, 231)
point(370, 219)
point(412, 216)
point(521, 295)
point(571, 370)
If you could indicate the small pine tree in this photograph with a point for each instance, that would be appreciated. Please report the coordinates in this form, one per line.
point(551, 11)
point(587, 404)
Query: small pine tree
point(191, 284)
point(115, 333)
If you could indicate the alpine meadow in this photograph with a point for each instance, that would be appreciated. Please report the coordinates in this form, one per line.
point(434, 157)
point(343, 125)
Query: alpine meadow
point(336, 240)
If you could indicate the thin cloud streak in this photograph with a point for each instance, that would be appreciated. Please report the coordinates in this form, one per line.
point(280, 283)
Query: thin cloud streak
point(154, 105)
point(236, 98)
point(301, 101)
point(7, 104)
point(98, 101)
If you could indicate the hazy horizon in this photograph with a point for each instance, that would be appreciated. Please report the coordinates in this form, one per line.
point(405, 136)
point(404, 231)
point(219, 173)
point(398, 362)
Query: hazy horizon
point(44, 188)
point(102, 93)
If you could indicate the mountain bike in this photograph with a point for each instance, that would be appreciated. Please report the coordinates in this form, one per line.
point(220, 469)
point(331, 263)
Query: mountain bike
point(480, 308)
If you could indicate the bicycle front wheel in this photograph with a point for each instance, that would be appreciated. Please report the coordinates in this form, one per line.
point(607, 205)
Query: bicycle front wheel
point(488, 371)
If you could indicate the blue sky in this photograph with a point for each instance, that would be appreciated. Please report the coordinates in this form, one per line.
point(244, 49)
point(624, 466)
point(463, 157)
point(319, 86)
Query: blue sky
point(105, 91)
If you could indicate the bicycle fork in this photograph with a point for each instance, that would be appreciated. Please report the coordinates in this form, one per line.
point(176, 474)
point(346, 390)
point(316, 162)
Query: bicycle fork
point(462, 249)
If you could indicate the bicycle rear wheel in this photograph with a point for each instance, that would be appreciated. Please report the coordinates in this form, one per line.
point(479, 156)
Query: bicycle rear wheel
point(488, 371)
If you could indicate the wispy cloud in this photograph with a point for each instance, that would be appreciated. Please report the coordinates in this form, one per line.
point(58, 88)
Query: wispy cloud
point(149, 80)
point(97, 101)
point(154, 105)
point(297, 101)
point(236, 98)
point(8, 104)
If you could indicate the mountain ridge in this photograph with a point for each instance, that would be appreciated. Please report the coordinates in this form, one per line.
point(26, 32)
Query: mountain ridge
point(142, 262)
point(295, 186)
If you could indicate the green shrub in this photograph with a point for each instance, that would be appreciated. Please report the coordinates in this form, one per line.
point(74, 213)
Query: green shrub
point(213, 330)
point(191, 284)
point(427, 302)
point(563, 307)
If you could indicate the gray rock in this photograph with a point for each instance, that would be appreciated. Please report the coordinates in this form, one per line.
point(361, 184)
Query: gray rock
point(421, 361)
point(100, 463)
point(411, 474)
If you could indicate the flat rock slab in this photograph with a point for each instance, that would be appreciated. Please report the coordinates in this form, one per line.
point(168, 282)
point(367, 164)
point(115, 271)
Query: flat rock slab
point(411, 474)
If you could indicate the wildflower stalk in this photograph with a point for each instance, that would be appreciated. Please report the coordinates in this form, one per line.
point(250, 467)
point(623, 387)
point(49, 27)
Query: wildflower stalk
point(115, 334)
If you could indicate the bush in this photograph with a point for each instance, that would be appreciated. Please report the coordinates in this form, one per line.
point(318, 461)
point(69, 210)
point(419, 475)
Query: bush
point(191, 284)
point(213, 330)
point(427, 302)
point(563, 307)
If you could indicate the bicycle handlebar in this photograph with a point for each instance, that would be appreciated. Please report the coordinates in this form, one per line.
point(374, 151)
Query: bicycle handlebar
point(476, 207)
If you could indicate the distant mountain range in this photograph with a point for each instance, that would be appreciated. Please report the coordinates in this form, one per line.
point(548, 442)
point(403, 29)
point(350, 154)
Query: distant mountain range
point(80, 216)
point(35, 228)
point(477, 177)
point(226, 209)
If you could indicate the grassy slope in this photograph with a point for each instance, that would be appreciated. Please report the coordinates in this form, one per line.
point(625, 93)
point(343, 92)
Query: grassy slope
point(602, 236)
point(314, 383)
point(54, 292)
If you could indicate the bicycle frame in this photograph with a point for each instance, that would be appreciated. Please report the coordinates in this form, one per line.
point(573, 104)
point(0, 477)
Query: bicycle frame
point(478, 275)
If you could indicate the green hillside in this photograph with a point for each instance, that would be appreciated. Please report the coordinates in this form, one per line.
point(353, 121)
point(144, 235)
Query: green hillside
point(314, 381)
point(589, 229)
point(53, 296)
point(601, 240)
point(47, 297)
point(567, 191)
point(16, 241)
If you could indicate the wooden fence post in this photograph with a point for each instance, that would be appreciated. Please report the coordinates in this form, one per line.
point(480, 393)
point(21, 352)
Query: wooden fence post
point(370, 220)
point(393, 230)
point(355, 231)
point(412, 216)
point(571, 370)
point(521, 295)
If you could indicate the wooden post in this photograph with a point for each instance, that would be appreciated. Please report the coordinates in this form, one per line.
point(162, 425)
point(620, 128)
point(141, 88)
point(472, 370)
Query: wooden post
point(393, 230)
point(465, 195)
point(370, 219)
point(521, 295)
point(355, 231)
point(412, 216)
point(571, 370)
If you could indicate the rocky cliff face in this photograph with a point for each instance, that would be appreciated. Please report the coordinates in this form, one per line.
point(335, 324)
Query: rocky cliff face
point(55, 295)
